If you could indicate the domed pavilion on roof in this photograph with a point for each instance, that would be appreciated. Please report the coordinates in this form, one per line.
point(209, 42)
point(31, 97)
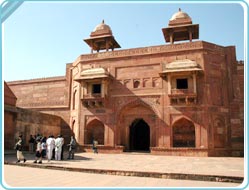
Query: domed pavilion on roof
point(180, 28)
point(101, 38)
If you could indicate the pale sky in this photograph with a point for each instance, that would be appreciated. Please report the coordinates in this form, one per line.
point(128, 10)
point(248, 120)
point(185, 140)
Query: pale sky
point(40, 37)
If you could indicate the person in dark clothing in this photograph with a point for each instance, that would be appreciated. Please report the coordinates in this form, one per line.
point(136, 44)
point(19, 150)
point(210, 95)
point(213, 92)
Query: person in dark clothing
point(72, 146)
point(62, 148)
point(38, 153)
point(53, 150)
point(18, 147)
point(31, 143)
point(94, 146)
point(44, 147)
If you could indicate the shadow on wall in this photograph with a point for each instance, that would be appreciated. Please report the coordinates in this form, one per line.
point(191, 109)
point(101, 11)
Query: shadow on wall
point(29, 122)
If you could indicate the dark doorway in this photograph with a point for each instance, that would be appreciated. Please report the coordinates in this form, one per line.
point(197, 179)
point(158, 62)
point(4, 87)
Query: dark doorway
point(139, 136)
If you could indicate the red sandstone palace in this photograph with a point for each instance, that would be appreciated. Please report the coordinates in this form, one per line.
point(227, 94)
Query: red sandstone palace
point(182, 98)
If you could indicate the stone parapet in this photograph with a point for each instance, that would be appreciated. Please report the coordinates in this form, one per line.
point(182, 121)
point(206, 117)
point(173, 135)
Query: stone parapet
point(45, 79)
point(189, 46)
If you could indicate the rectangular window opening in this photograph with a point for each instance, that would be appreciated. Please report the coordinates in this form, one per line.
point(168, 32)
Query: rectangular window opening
point(182, 83)
point(96, 89)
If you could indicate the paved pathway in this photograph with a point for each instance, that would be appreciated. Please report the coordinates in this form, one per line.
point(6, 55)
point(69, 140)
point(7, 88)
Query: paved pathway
point(227, 166)
point(16, 176)
point(224, 166)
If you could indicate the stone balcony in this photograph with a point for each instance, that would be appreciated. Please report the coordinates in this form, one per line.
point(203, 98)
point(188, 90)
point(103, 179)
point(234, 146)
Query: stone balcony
point(182, 97)
point(93, 100)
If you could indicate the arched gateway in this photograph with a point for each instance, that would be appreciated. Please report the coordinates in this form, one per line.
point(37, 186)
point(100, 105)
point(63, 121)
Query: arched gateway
point(136, 127)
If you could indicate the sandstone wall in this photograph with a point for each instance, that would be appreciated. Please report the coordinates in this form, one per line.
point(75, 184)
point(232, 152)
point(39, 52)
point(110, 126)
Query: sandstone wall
point(32, 122)
point(9, 96)
point(9, 117)
point(9, 129)
point(237, 113)
point(40, 93)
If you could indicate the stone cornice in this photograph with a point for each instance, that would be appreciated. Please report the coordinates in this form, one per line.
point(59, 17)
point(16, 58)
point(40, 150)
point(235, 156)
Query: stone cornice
point(188, 46)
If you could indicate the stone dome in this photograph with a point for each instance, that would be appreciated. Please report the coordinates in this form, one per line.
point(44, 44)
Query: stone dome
point(180, 15)
point(102, 27)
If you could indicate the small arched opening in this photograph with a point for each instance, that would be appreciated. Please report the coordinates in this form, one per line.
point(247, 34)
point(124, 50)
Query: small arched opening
point(136, 84)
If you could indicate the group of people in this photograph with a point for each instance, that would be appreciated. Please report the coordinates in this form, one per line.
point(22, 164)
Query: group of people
point(50, 148)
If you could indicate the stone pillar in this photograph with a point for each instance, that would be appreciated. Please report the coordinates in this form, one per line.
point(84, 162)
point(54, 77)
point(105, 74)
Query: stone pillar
point(84, 89)
point(109, 135)
point(91, 46)
point(102, 89)
point(190, 34)
point(194, 82)
point(171, 38)
point(169, 84)
point(106, 45)
point(197, 136)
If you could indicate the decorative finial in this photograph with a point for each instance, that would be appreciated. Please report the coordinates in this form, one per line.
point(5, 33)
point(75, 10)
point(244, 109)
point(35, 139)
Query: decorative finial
point(180, 9)
point(103, 21)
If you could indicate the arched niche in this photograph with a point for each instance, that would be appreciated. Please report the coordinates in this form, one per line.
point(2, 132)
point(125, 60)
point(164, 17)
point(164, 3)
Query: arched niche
point(95, 130)
point(183, 133)
point(219, 133)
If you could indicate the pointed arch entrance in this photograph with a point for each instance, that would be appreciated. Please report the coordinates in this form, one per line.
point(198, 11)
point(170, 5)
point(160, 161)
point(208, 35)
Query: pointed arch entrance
point(133, 121)
point(139, 136)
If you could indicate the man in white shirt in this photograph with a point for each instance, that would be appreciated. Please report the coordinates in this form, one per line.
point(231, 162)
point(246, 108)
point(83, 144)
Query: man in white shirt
point(50, 146)
point(58, 147)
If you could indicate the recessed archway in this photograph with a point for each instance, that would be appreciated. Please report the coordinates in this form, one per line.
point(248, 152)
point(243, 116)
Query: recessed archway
point(219, 133)
point(183, 133)
point(139, 135)
point(95, 130)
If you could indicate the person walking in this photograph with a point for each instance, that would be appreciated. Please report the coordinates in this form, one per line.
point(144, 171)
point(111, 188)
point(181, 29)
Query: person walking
point(44, 147)
point(58, 147)
point(53, 151)
point(50, 146)
point(31, 144)
point(18, 148)
point(62, 147)
point(72, 146)
point(38, 153)
point(95, 149)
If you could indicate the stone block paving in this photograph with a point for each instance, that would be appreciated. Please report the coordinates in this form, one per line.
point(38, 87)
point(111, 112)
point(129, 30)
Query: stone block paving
point(15, 176)
point(141, 162)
